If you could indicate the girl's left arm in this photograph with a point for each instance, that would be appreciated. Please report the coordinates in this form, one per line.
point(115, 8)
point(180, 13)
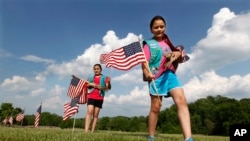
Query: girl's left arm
point(175, 56)
point(172, 57)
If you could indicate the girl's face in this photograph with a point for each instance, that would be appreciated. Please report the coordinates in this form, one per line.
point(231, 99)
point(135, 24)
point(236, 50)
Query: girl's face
point(97, 70)
point(158, 29)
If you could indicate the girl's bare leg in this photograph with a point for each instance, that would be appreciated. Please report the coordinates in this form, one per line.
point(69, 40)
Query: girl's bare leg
point(153, 114)
point(95, 118)
point(90, 110)
point(182, 111)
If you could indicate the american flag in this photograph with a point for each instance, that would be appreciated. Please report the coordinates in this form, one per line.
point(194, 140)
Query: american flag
point(38, 114)
point(71, 108)
point(124, 58)
point(184, 56)
point(5, 121)
point(75, 87)
point(20, 116)
point(11, 119)
point(83, 95)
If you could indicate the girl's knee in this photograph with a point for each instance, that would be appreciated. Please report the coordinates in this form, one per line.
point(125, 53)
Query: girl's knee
point(155, 109)
point(180, 99)
point(95, 115)
point(90, 112)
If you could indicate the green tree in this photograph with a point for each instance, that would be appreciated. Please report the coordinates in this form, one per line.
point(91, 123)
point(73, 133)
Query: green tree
point(120, 123)
point(202, 111)
point(48, 119)
point(103, 123)
point(168, 121)
point(134, 124)
point(245, 108)
point(6, 110)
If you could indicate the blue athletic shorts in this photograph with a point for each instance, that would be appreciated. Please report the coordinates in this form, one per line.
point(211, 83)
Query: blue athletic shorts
point(164, 84)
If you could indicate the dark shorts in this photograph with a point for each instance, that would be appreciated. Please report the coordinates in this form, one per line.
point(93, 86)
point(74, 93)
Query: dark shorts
point(96, 103)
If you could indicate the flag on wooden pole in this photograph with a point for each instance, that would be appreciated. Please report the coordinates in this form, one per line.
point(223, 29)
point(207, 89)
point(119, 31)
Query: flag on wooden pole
point(38, 114)
point(11, 118)
point(71, 108)
point(124, 58)
point(20, 116)
point(5, 121)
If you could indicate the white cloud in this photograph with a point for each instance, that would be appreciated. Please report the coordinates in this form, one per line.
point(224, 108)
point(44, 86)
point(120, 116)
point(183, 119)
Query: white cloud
point(55, 98)
point(133, 102)
point(227, 41)
point(53, 102)
point(37, 92)
point(34, 58)
point(131, 77)
point(18, 83)
point(135, 97)
point(111, 41)
point(210, 83)
point(57, 90)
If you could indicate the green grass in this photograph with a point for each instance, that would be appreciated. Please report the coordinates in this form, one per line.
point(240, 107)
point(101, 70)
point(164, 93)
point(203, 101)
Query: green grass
point(56, 134)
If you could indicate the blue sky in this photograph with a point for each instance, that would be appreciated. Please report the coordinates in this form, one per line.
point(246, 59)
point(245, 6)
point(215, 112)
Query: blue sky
point(44, 42)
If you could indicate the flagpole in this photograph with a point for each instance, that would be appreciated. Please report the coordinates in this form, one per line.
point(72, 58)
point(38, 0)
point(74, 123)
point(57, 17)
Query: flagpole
point(23, 117)
point(74, 124)
point(154, 85)
point(22, 122)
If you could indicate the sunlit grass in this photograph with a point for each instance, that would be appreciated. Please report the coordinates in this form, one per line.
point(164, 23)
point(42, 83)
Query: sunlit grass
point(56, 134)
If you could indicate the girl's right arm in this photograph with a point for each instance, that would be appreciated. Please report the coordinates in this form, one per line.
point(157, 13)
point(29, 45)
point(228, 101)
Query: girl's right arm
point(146, 71)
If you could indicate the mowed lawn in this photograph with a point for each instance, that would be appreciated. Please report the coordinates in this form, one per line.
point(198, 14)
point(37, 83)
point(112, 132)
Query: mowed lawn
point(56, 134)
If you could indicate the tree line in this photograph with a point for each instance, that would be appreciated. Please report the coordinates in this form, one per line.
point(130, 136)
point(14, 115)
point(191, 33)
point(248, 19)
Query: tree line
point(212, 115)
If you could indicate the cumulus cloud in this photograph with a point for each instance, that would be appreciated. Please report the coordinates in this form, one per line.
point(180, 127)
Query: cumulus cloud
point(227, 41)
point(111, 41)
point(19, 83)
point(57, 90)
point(37, 59)
point(129, 77)
point(210, 83)
point(53, 103)
point(37, 92)
point(135, 97)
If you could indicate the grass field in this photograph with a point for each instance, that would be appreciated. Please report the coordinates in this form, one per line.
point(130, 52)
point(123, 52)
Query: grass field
point(56, 134)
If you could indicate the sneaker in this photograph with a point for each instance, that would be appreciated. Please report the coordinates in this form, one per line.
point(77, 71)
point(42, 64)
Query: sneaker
point(151, 138)
point(189, 139)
